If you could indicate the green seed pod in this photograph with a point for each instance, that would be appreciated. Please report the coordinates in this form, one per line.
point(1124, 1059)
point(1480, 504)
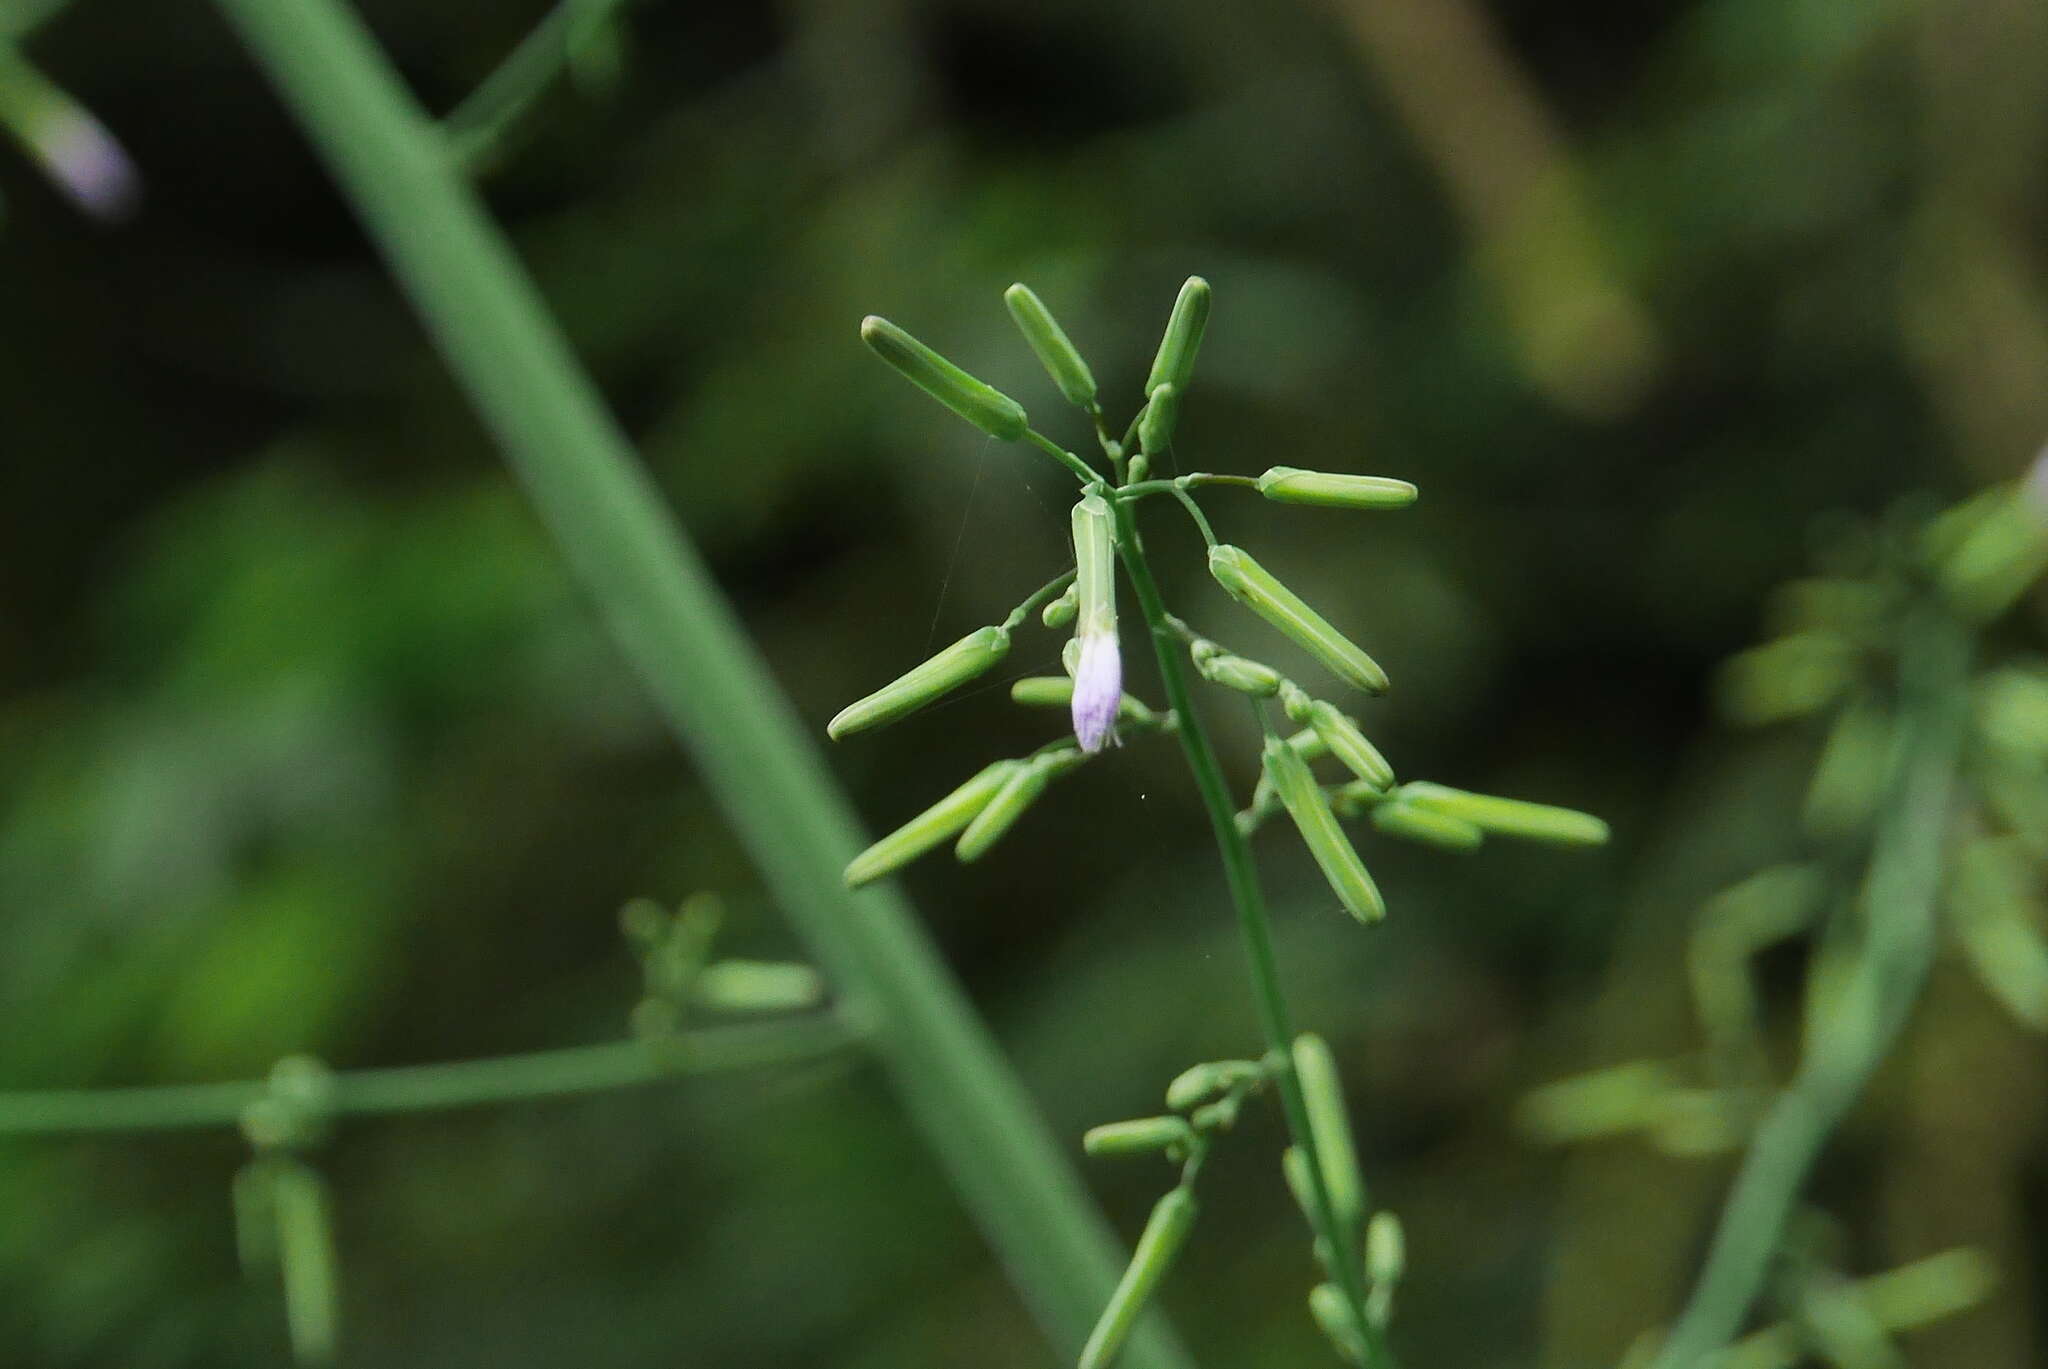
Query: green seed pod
point(1786, 678)
point(1165, 1233)
point(1607, 1102)
point(1139, 467)
point(1349, 745)
point(1253, 586)
point(1140, 1136)
point(1329, 1123)
point(948, 670)
point(1156, 424)
point(1303, 798)
point(1288, 485)
point(1049, 341)
point(1386, 1250)
point(1508, 817)
point(1199, 1083)
point(757, 986)
point(1411, 822)
point(1305, 744)
point(934, 825)
point(1176, 357)
point(1294, 1168)
point(306, 1260)
point(1060, 611)
point(1334, 1318)
point(1018, 793)
point(1235, 672)
point(986, 407)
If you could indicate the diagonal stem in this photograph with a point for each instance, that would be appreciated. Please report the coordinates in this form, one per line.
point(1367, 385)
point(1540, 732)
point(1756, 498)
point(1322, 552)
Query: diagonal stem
point(696, 661)
point(1898, 905)
point(1254, 924)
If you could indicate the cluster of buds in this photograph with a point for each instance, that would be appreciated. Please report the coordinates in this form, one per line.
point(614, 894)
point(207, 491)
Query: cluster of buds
point(1084, 600)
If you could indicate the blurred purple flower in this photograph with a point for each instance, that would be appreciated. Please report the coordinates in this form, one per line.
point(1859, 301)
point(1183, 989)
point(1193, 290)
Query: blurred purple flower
point(86, 162)
point(1098, 688)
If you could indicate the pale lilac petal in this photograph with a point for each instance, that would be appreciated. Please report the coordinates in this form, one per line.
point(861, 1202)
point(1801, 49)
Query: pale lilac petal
point(1098, 689)
point(82, 157)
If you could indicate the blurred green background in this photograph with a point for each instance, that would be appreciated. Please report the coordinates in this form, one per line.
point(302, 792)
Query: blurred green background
point(307, 744)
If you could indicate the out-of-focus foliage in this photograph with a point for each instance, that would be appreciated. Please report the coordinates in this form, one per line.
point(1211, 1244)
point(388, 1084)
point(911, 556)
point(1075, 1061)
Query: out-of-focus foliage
point(310, 747)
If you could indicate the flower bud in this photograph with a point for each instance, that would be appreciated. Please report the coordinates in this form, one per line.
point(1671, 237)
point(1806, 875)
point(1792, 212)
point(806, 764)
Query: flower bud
point(1413, 822)
point(1508, 817)
point(986, 407)
point(1235, 672)
point(1349, 745)
point(1166, 1231)
point(1198, 1083)
point(1325, 489)
point(1098, 671)
point(1176, 357)
point(1339, 1325)
point(1137, 1137)
point(1049, 342)
point(1303, 799)
point(1156, 424)
point(1386, 1249)
point(1253, 586)
point(1322, 1096)
point(948, 670)
point(932, 826)
point(1060, 611)
point(757, 986)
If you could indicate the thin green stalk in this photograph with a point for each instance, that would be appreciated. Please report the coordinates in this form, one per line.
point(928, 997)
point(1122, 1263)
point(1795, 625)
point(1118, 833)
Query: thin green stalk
point(432, 1088)
point(478, 126)
point(1900, 897)
point(1254, 925)
point(693, 656)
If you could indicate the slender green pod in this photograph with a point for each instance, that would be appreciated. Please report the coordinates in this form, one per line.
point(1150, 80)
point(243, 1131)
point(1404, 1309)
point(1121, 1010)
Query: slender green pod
point(1220, 667)
point(1008, 803)
point(306, 1259)
point(1326, 489)
point(1139, 1136)
point(1175, 360)
point(1156, 424)
point(1049, 342)
point(1198, 1083)
point(1303, 798)
point(935, 824)
point(1851, 776)
point(1508, 817)
point(947, 671)
point(757, 986)
point(981, 404)
point(1334, 1318)
point(1057, 691)
point(1341, 734)
point(1255, 587)
point(1173, 1216)
point(1322, 1094)
point(1305, 744)
point(1413, 822)
point(1386, 1249)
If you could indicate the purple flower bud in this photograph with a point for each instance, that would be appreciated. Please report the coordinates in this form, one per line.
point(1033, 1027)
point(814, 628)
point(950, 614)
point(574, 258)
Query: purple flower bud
point(1098, 689)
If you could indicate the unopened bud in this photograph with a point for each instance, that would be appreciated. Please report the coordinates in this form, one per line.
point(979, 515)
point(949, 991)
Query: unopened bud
point(1287, 485)
point(948, 670)
point(986, 407)
point(1303, 798)
point(1253, 586)
point(1175, 360)
point(937, 823)
point(1049, 342)
point(1508, 817)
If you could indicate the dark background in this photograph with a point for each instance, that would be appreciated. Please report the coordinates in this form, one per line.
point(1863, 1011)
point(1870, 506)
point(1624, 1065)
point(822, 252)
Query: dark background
point(307, 744)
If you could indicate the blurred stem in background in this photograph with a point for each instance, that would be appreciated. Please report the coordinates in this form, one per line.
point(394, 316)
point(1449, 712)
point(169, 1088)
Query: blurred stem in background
point(1583, 338)
point(1861, 1007)
point(660, 602)
point(480, 125)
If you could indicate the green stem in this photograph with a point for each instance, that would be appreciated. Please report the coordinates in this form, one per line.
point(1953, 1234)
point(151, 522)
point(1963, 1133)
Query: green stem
point(1871, 1005)
point(431, 1088)
point(1254, 925)
point(1143, 489)
point(1037, 599)
point(1083, 472)
point(476, 128)
point(692, 655)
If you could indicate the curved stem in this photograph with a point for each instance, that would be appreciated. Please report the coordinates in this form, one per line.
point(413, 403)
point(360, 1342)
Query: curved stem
point(1898, 908)
point(1083, 472)
point(430, 1088)
point(1254, 925)
point(1037, 599)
